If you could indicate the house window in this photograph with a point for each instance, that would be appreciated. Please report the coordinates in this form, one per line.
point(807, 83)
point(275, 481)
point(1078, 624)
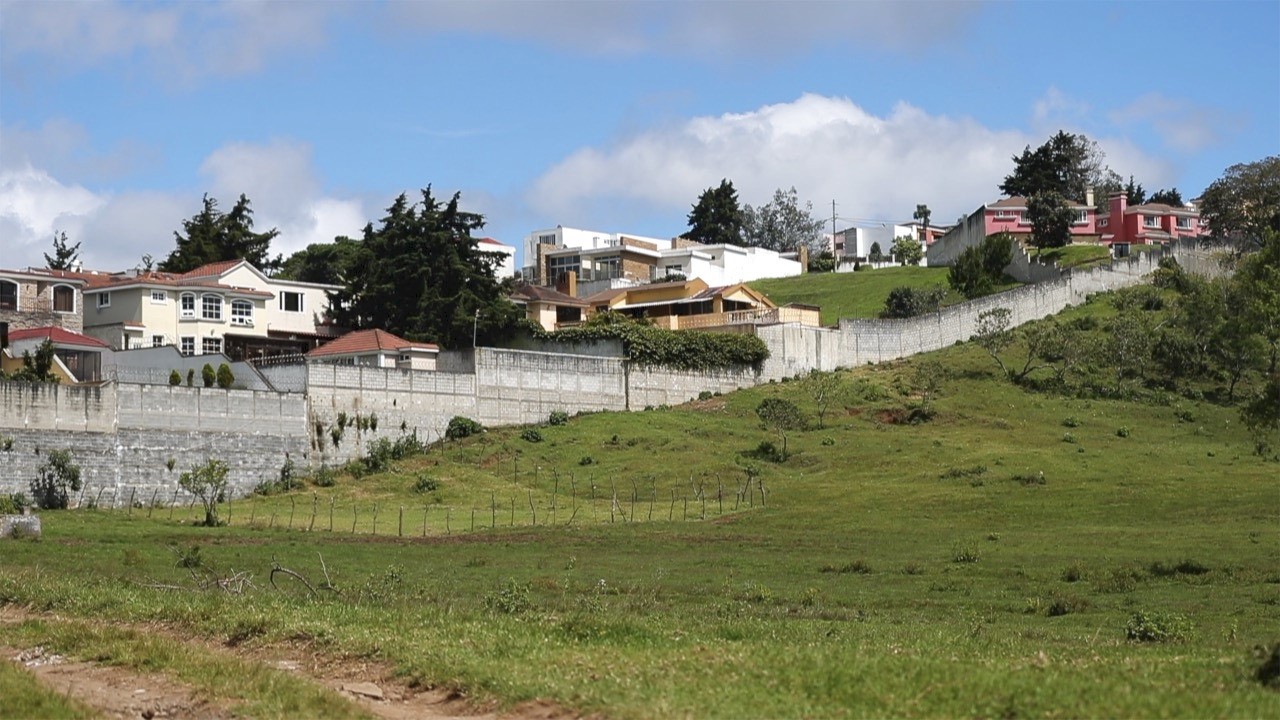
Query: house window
point(188, 305)
point(1184, 223)
point(210, 346)
point(1003, 214)
point(546, 239)
point(157, 341)
point(104, 299)
point(1082, 217)
point(64, 299)
point(159, 296)
point(242, 313)
point(1022, 218)
point(1151, 221)
point(291, 301)
point(187, 345)
point(1103, 222)
point(8, 295)
point(211, 307)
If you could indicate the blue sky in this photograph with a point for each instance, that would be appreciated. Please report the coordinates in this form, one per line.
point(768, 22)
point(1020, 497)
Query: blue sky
point(115, 118)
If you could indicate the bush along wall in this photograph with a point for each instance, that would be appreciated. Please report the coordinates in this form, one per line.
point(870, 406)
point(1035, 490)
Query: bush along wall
point(677, 349)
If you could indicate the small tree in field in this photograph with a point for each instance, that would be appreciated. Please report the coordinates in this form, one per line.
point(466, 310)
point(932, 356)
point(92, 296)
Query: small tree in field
point(782, 416)
point(825, 388)
point(56, 480)
point(994, 334)
point(208, 482)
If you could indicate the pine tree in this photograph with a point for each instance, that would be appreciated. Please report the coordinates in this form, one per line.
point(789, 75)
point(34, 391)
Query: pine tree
point(64, 255)
point(716, 219)
point(213, 236)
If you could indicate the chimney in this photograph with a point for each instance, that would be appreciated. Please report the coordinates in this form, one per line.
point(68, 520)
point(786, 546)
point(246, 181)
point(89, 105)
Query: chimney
point(1088, 197)
point(568, 284)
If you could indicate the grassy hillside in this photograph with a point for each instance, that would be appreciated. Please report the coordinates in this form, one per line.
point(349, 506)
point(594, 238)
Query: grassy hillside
point(854, 295)
point(991, 561)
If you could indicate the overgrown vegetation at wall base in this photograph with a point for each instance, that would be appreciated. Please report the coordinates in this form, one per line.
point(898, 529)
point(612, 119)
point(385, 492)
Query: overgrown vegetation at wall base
point(647, 345)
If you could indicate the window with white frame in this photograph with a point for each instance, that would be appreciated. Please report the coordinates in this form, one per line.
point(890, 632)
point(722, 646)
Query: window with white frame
point(210, 346)
point(187, 345)
point(64, 299)
point(159, 297)
point(1022, 218)
point(1004, 214)
point(1151, 221)
point(1184, 223)
point(8, 295)
point(211, 307)
point(104, 299)
point(157, 341)
point(291, 301)
point(1082, 217)
point(187, 306)
point(242, 313)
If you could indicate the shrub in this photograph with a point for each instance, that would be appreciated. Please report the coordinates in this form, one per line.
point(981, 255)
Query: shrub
point(57, 478)
point(1123, 431)
point(175, 378)
point(1073, 572)
point(208, 483)
point(1030, 479)
point(1185, 567)
point(964, 554)
point(531, 435)
point(207, 375)
point(462, 427)
point(1071, 421)
point(558, 417)
point(586, 460)
point(383, 452)
point(908, 302)
point(13, 504)
point(511, 598)
point(857, 567)
point(1069, 438)
point(960, 473)
point(324, 477)
point(705, 395)
point(224, 377)
point(425, 484)
point(1065, 604)
point(191, 377)
point(1158, 627)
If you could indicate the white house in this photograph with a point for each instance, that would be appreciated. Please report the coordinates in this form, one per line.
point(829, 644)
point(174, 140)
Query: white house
point(377, 348)
point(506, 268)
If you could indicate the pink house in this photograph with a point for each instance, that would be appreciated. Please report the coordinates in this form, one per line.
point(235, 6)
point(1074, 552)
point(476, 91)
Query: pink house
point(1010, 215)
point(1147, 224)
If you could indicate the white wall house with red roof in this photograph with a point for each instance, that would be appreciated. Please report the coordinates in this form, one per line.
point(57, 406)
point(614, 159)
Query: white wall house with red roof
point(77, 357)
point(377, 348)
point(507, 267)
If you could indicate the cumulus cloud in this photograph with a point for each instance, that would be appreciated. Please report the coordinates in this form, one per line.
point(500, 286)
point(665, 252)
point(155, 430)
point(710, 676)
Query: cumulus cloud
point(117, 228)
point(1181, 124)
point(827, 147)
point(875, 168)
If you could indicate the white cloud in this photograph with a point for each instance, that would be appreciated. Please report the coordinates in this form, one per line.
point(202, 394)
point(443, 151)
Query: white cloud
point(116, 229)
point(1181, 124)
point(61, 147)
point(1055, 109)
point(828, 148)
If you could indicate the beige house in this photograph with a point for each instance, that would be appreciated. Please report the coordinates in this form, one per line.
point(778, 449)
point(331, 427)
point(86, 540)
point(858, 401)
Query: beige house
point(550, 308)
point(693, 305)
point(227, 307)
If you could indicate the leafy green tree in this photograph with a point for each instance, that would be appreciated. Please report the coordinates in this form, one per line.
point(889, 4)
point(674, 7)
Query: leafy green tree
point(978, 269)
point(875, 255)
point(174, 378)
point(1067, 164)
point(208, 482)
point(1259, 280)
point(424, 277)
point(325, 263)
point(38, 367)
point(213, 236)
point(1244, 203)
point(825, 388)
point(783, 225)
point(908, 302)
point(207, 375)
point(1170, 197)
point(907, 250)
point(994, 334)
point(64, 255)
point(716, 218)
point(782, 416)
point(57, 478)
point(1051, 218)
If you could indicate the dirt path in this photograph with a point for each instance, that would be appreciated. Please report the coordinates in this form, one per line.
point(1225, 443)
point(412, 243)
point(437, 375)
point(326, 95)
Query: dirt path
point(120, 692)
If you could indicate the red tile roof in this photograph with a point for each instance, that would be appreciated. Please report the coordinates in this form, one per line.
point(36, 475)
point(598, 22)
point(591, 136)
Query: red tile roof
point(366, 341)
point(58, 336)
point(100, 281)
point(491, 241)
point(527, 292)
point(212, 269)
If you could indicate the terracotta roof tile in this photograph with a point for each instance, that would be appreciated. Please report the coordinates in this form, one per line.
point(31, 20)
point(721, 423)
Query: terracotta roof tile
point(212, 269)
point(526, 291)
point(365, 341)
point(59, 336)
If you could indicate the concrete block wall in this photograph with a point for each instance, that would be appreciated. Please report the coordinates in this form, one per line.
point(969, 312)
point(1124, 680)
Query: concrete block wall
point(653, 387)
point(517, 387)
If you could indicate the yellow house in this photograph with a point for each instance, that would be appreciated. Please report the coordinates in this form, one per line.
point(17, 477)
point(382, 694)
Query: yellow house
point(692, 304)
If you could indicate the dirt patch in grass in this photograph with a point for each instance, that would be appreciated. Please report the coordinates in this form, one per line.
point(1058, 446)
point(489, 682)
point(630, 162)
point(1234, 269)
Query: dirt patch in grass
point(116, 691)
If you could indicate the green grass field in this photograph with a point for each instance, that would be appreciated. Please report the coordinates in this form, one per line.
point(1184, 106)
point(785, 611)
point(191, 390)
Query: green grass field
point(986, 563)
point(855, 295)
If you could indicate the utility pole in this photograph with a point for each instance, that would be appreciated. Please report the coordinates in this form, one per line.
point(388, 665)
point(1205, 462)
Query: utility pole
point(835, 264)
